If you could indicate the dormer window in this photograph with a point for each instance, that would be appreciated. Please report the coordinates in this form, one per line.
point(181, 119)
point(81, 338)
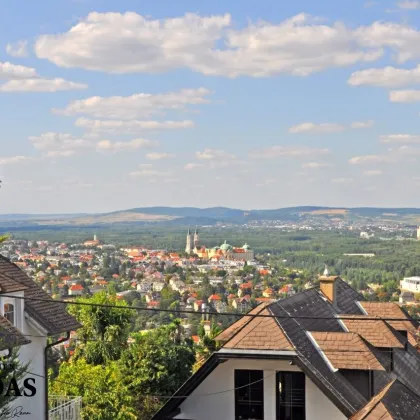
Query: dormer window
point(9, 312)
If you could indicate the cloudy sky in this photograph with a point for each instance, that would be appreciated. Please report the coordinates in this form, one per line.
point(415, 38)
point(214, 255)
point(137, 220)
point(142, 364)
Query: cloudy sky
point(254, 104)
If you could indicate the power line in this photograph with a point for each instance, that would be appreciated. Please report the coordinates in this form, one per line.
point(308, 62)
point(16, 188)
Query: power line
point(199, 395)
point(183, 311)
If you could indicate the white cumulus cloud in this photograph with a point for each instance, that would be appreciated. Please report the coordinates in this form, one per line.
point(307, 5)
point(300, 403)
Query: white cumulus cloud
point(287, 151)
point(58, 141)
point(107, 145)
point(409, 4)
point(40, 85)
point(13, 159)
point(315, 165)
point(147, 173)
point(191, 166)
point(139, 105)
point(362, 124)
point(17, 49)
point(130, 126)
point(159, 156)
point(373, 172)
point(9, 71)
point(386, 77)
point(129, 42)
point(309, 127)
point(368, 159)
point(404, 96)
point(213, 154)
point(400, 138)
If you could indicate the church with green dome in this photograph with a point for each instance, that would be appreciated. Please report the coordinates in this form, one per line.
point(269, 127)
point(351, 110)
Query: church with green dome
point(224, 251)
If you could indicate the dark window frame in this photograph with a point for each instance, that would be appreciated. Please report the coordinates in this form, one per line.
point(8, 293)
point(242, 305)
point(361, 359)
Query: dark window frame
point(9, 312)
point(255, 380)
point(282, 406)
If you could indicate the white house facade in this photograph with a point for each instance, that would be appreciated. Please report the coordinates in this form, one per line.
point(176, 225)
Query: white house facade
point(322, 354)
point(26, 308)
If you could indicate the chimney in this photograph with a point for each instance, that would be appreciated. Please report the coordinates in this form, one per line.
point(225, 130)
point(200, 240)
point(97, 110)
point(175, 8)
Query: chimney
point(328, 287)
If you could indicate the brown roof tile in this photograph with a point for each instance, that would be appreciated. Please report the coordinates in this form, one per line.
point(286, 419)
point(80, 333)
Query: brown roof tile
point(374, 409)
point(389, 310)
point(229, 332)
point(10, 336)
point(260, 333)
point(346, 351)
point(377, 333)
point(8, 285)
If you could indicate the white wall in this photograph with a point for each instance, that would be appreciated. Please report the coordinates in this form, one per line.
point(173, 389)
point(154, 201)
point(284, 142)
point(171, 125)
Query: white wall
point(222, 406)
point(33, 353)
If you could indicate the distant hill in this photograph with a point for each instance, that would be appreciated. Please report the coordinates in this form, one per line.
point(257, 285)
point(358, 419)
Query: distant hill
point(209, 216)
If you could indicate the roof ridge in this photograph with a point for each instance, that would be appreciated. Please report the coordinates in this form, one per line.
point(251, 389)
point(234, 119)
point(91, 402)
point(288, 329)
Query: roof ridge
point(281, 328)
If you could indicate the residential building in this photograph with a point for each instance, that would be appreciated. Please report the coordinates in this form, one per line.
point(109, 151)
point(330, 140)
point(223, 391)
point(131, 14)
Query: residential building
point(406, 298)
point(324, 353)
point(38, 320)
point(76, 290)
point(410, 284)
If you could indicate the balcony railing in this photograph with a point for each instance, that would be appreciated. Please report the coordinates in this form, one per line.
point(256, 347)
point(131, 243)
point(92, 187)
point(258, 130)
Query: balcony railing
point(65, 408)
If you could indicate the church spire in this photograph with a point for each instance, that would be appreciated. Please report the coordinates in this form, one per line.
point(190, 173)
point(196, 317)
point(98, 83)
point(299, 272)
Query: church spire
point(196, 239)
point(188, 247)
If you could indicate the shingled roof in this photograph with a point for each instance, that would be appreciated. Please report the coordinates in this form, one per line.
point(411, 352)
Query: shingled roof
point(229, 332)
point(51, 315)
point(10, 336)
point(375, 332)
point(346, 351)
point(260, 334)
point(389, 310)
point(395, 402)
point(327, 347)
point(8, 285)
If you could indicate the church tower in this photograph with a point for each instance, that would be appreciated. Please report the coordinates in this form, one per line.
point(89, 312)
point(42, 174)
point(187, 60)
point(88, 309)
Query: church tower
point(196, 239)
point(418, 233)
point(188, 248)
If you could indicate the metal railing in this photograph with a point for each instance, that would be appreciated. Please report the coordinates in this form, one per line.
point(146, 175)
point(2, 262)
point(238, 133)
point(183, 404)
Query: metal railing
point(64, 408)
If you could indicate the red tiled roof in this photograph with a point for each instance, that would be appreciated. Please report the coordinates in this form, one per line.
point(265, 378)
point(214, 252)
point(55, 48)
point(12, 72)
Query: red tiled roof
point(75, 287)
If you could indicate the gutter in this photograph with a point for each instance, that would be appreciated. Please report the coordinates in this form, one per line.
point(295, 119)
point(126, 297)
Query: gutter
point(47, 347)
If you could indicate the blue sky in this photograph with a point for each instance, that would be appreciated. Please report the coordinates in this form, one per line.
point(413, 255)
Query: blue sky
point(112, 105)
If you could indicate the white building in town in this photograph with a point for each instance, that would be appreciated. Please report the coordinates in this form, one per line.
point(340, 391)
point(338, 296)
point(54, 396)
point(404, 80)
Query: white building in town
point(410, 284)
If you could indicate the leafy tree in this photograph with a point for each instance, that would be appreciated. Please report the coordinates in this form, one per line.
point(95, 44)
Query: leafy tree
point(11, 372)
point(105, 397)
point(157, 364)
point(104, 330)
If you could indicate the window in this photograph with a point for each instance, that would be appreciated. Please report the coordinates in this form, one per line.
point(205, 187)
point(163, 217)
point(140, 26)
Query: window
point(9, 312)
point(291, 396)
point(249, 395)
